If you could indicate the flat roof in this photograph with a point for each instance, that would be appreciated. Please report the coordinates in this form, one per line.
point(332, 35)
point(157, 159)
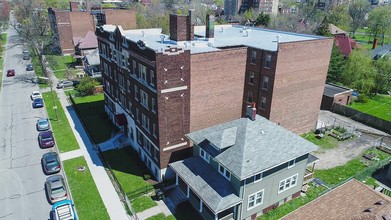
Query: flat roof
point(331, 90)
point(352, 200)
point(224, 36)
point(248, 147)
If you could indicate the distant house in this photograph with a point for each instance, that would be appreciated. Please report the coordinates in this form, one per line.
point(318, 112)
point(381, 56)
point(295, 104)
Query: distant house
point(380, 52)
point(334, 30)
point(345, 44)
point(335, 94)
point(243, 168)
point(91, 62)
point(88, 42)
point(352, 200)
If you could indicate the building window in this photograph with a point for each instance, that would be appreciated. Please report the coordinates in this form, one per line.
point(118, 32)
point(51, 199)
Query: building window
point(250, 96)
point(144, 99)
point(134, 67)
point(253, 56)
point(153, 105)
point(263, 103)
point(154, 130)
point(145, 122)
point(287, 183)
point(142, 72)
point(291, 163)
point(265, 82)
point(224, 172)
point(268, 61)
point(128, 83)
point(255, 199)
point(204, 155)
point(251, 78)
point(135, 92)
point(152, 77)
point(258, 177)
point(137, 115)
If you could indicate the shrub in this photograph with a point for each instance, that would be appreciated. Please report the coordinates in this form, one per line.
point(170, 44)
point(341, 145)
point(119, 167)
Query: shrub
point(362, 98)
point(147, 176)
point(86, 86)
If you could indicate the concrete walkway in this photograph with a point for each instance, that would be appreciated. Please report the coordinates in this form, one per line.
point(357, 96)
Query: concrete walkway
point(71, 154)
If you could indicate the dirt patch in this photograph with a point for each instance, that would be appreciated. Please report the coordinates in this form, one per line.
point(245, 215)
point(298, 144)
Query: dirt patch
point(346, 151)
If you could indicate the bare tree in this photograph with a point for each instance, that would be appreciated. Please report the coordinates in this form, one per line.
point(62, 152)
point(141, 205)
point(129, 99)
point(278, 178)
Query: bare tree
point(357, 11)
point(5, 15)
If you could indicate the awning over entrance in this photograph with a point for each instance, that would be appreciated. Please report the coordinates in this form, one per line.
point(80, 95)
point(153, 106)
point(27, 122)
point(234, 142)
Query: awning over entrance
point(120, 119)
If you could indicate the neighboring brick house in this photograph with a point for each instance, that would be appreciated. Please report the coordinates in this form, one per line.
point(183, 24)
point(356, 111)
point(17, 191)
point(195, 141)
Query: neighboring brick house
point(350, 201)
point(243, 168)
point(234, 7)
point(197, 77)
point(335, 94)
point(67, 25)
point(345, 44)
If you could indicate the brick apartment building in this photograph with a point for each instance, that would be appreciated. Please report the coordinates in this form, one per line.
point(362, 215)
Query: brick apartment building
point(233, 7)
point(161, 87)
point(70, 26)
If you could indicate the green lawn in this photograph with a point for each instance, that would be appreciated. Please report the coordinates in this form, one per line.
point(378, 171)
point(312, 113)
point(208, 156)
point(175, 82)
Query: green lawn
point(91, 109)
point(88, 203)
point(161, 216)
point(3, 42)
point(378, 106)
point(327, 142)
point(65, 140)
point(143, 203)
point(59, 64)
point(127, 169)
point(350, 169)
point(38, 69)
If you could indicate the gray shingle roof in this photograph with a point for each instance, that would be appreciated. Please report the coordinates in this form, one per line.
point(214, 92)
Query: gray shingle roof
point(210, 186)
point(259, 145)
point(381, 51)
point(331, 90)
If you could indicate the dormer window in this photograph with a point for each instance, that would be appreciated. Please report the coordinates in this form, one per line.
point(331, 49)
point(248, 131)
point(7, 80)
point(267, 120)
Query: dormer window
point(223, 171)
point(124, 42)
point(111, 36)
point(204, 155)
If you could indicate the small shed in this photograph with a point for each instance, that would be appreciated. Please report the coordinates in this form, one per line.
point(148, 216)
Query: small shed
point(335, 94)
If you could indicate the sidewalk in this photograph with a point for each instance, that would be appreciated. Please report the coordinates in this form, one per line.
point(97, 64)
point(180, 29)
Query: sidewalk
point(110, 198)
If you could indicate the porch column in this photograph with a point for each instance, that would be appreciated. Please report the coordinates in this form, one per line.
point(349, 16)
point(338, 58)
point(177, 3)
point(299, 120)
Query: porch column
point(188, 191)
point(216, 216)
point(200, 205)
point(176, 179)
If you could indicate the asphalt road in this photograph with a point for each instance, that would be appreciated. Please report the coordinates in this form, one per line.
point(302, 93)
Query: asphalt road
point(22, 194)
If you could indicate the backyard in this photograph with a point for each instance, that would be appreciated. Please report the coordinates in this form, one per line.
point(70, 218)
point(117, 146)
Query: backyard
point(60, 64)
point(378, 106)
point(88, 203)
point(65, 140)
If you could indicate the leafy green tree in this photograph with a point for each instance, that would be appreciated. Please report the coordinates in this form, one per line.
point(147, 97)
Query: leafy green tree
point(337, 66)
point(338, 15)
point(360, 73)
point(357, 11)
point(86, 86)
point(379, 21)
point(263, 19)
point(323, 28)
point(249, 15)
point(383, 75)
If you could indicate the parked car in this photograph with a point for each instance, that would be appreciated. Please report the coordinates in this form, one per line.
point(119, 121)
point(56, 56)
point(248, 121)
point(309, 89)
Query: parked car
point(38, 103)
point(10, 72)
point(35, 94)
point(29, 67)
point(50, 163)
point(26, 54)
point(63, 210)
point(56, 189)
point(64, 84)
point(45, 139)
point(43, 124)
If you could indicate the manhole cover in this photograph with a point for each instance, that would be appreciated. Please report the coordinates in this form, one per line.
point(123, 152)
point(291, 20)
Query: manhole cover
point(81, 168)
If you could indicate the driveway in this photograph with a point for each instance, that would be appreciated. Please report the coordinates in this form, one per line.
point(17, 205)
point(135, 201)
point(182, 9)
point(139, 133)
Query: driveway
point(347, 150)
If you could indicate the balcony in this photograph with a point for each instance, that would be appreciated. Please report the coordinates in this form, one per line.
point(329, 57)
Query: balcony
point(309, 171)
point(308, 176)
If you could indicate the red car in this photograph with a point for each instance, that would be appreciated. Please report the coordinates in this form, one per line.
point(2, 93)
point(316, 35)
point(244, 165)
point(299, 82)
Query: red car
point(11, 72)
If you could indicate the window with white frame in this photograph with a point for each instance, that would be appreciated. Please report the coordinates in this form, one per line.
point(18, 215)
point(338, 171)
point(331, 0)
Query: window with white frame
point(142, 72)
point(135, 92)
point(268, 61)
point(137, 115)
point(253, 57)
point(128, 85)
point(255, 199)
point(251, 78)
point(223, 171)
point(291, 163)
point(263, 103)
point(152, 77)
point(287, 183)
point(145, 122)
point(144, 98)
point(204, 155)
point(153, 105)
point(265, 82)
point(258, 177)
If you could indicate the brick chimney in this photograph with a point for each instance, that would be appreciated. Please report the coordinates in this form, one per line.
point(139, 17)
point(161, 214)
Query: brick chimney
point(375, 43)
point(210, 26)
point(74, 6)
point(181, 28)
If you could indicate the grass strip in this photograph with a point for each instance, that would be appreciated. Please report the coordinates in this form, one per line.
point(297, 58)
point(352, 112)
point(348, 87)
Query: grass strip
point(143, 203)
point(88, 203)
point(65, 139)
point(161, 216)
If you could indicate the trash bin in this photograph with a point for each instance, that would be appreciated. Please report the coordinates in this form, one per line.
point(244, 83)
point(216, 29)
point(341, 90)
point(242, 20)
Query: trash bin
point(159, 194)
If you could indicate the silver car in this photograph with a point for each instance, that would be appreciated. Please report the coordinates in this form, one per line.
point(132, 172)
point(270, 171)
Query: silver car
point(43, 124)
point(64, 84)
point(56, 189)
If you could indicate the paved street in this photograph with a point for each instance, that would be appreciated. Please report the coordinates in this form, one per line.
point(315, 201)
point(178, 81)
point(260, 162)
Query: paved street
point(22, 194)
